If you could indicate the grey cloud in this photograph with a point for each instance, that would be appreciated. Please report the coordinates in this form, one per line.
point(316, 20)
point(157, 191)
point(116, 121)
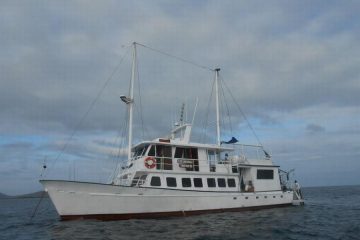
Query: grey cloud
point(314, 128)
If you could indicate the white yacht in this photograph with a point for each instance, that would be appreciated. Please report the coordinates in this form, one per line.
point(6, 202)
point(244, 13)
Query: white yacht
point(173, 176)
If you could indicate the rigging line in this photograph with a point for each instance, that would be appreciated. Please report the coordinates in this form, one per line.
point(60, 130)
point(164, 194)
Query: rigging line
point(113, 153)
point(140, 102)
point(121, 136)
point(37, 205)
point(92, 104)
point(243, 114)
point(227, 107)
point(207, 112)
point(121, 144)
point(176, 57)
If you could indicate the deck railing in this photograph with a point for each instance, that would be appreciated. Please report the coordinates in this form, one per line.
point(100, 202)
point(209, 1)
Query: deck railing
point(247, 151)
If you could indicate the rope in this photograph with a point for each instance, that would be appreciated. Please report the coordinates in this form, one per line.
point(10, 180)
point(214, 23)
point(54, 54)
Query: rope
point(37, 205)
point(227, 107)
point(243, 114)
point(121, 136)
point(207, 112)
point(176, 57)
point(92, 104)
point(140, 102)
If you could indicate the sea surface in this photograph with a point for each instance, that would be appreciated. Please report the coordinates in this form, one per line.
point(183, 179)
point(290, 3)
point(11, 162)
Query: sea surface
point(329, 213)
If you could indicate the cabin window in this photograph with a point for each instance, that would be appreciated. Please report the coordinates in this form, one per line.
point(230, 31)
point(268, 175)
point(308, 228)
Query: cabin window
point(155, 181)
point(198, 182)
point(221, 182)
point(171, 182)
point(265, 174)
point(211, 182)
point(231, 182)
point(187, 158)
point(163, 156)
point(186, 182)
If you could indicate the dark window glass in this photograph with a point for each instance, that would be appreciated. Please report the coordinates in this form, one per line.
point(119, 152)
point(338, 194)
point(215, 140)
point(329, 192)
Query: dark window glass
point(231, 182)
point(167, 164)
point(211, 182)
point(171, 181)
point(152, 151)
point(221, 182)
point(155, 181)
point(189, 153)
point(179, 152)
point(186, 182)
point(163, 151)
point(265, 174)
point(198, 182)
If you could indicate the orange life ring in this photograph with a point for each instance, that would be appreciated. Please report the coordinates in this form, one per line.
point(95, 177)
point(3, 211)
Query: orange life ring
point(150, 162)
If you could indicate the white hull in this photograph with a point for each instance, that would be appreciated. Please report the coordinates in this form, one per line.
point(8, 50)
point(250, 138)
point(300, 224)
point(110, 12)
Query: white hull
point(92, 200)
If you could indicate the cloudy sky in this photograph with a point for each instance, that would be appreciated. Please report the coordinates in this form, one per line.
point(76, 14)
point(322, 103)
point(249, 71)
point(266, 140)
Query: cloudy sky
point(293, 66)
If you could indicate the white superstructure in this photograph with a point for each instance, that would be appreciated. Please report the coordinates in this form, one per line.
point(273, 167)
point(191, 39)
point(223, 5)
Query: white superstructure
point(175, 177)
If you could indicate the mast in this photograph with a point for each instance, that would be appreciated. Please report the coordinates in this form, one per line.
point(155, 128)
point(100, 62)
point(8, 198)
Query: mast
point(133, 71)
point(217, 70)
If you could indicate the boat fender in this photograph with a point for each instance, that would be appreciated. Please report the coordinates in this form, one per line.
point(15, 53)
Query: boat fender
point(150, 162)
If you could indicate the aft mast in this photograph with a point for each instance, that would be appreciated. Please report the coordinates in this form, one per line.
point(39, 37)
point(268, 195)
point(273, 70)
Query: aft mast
point(217, 70)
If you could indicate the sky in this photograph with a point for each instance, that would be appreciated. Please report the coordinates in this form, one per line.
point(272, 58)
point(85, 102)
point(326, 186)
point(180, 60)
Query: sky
point(292, 66)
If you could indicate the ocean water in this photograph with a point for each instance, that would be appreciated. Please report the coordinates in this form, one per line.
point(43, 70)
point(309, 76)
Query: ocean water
point(329, 213)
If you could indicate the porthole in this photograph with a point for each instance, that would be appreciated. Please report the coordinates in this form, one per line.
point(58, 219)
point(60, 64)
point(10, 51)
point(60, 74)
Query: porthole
point(281, 196)
point(274, 196)
point(257, 197)
point(265, 196)
point(246, 197)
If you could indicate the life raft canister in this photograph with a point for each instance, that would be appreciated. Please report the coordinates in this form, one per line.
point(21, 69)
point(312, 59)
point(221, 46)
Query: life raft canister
point(150, 162)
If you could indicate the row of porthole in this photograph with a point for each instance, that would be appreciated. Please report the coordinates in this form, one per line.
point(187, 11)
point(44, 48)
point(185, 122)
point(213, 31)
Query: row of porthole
point(257, 197)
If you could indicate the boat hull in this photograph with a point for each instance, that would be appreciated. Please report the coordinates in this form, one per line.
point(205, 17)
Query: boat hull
point(83, 200)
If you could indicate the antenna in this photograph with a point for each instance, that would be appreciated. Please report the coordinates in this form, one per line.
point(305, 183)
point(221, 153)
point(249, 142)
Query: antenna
point(182, 114)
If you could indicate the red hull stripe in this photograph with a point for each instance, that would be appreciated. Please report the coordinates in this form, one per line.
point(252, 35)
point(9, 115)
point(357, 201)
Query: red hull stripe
point(153, 215)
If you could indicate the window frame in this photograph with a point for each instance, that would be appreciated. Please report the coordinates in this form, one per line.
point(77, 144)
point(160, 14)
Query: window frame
point(233, 181)
point(188, 185)
point(264, 174)
point(172, 179)
point(221, 182)
point(155, 185)
point(212, 181)
point(196, 182)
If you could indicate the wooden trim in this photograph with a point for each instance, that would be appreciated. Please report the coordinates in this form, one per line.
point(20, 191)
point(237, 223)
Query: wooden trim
point(154, 215)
